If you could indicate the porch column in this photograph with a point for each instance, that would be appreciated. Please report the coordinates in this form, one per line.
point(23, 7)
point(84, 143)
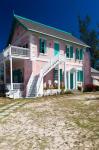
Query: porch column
point(4, 72)
point(59, 77)
point(76, 79)
point(65, 81)
point(11, 76)
point(69, 80)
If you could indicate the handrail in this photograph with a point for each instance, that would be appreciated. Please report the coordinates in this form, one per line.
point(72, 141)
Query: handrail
point(29, 82)
point(44, 69)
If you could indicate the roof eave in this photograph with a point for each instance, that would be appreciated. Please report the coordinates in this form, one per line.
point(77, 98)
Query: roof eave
point(84, 45)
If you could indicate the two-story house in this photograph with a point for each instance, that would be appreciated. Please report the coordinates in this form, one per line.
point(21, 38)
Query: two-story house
point(40, 58)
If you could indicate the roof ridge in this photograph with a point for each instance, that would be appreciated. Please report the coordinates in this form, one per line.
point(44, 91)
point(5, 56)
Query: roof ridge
point(29, 20)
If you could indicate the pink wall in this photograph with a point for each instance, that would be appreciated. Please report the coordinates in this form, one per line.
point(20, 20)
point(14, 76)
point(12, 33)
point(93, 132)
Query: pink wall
point(87, 69)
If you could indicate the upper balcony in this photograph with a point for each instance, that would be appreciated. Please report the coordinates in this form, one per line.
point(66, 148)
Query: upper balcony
point(16, 52)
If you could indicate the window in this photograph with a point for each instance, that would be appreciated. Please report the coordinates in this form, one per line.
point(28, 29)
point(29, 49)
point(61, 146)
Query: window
point(56, 74)
point(69, 52)
point(42, 46)
point(25, 46)
point(79, 54)
point(80, 76)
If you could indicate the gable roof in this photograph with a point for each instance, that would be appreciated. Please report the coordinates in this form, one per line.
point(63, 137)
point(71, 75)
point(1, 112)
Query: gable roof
point(34, 26)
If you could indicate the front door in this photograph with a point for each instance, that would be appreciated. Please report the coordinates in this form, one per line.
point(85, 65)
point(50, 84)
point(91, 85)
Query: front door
point(71, 81)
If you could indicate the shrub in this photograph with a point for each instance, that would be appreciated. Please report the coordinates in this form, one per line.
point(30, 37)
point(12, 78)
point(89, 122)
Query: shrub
point(68, 92)
point(79, 88)
point(90, 88)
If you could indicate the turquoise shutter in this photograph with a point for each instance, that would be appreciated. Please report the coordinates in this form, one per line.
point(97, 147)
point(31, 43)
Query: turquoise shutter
point(40, 45)
point(77, 53)
point(81, 54)
point(78, 75)
point(71, 51)
point(81, 76)
point(55, 74)
point(56, 49)
point(60, 74)
point(67, 52)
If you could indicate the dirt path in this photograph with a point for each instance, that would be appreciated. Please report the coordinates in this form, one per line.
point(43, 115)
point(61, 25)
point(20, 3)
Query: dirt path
point(50, 123)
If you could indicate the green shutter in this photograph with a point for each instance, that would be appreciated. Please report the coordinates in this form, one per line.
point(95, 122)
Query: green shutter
point(40, 45)
point(55, 73)
point(67, 52)
point(81, 76)
point(71, 51)
point(81, 54)
point(77, 53)
point(56, 49)
point(78, 75)
point(60, 74)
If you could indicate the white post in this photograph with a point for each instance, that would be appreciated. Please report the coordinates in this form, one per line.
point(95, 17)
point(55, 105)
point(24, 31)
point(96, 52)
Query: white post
point(76, 80)
point(4, 72)
point(11, 76)
point(65, 81)
point(69, 80)
point(59, 77)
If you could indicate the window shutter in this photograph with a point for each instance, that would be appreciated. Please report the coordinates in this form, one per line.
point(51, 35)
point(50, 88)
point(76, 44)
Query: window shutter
point(56, 49)
point(81, 54)
point(71, 51)
point(77, 53)
point(67, 52)
point(40, 45)
point(78, 75)
point(60, 74)
point(55, 74)
point(81, 76)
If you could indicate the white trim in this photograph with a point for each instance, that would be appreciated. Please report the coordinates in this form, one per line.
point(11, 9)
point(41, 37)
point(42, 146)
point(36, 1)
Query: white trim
point(65, 79)
point(4, 72)
point(58, 76)
point(11, 76)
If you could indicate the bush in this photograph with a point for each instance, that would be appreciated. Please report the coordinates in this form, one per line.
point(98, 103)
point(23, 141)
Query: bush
point(79, 88)
point(90, 88)
point(68, 92)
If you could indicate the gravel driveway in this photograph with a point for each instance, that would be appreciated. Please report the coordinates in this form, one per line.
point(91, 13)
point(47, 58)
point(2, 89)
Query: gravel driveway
point(50, 123)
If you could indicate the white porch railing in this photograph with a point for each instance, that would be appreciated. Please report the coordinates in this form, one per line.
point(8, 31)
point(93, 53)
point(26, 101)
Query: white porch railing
point(16, 52)
point(16, 86)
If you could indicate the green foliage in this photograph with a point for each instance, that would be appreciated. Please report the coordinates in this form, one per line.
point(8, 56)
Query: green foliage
point(89, 36)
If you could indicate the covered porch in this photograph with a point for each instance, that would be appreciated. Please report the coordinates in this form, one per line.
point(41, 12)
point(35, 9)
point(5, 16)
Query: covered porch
point(13, 70)
point(61, 79)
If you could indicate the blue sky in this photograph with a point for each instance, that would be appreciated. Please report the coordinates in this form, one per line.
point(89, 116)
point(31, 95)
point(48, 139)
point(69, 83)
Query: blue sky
point(61, 14)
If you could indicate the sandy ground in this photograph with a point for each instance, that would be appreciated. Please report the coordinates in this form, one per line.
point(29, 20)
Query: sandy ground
point(51, 123)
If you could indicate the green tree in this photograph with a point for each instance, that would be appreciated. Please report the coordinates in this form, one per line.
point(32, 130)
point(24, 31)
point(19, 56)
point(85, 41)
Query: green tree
point(89, 36)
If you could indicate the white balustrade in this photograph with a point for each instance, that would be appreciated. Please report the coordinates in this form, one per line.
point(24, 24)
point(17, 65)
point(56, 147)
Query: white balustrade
point(16, 52)
point(16, 86)
point(19, 51)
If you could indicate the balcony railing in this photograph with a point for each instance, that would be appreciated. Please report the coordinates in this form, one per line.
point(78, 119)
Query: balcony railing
point(15, 51)
point(16, 86)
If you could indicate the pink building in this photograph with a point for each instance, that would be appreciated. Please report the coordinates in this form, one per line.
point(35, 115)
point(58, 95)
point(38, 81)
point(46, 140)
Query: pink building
point(42, 60)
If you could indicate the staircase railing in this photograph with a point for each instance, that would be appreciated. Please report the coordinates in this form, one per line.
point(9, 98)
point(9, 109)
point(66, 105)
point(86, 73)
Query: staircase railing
point(29, 83)
point(47, 67)
point(43, 72)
